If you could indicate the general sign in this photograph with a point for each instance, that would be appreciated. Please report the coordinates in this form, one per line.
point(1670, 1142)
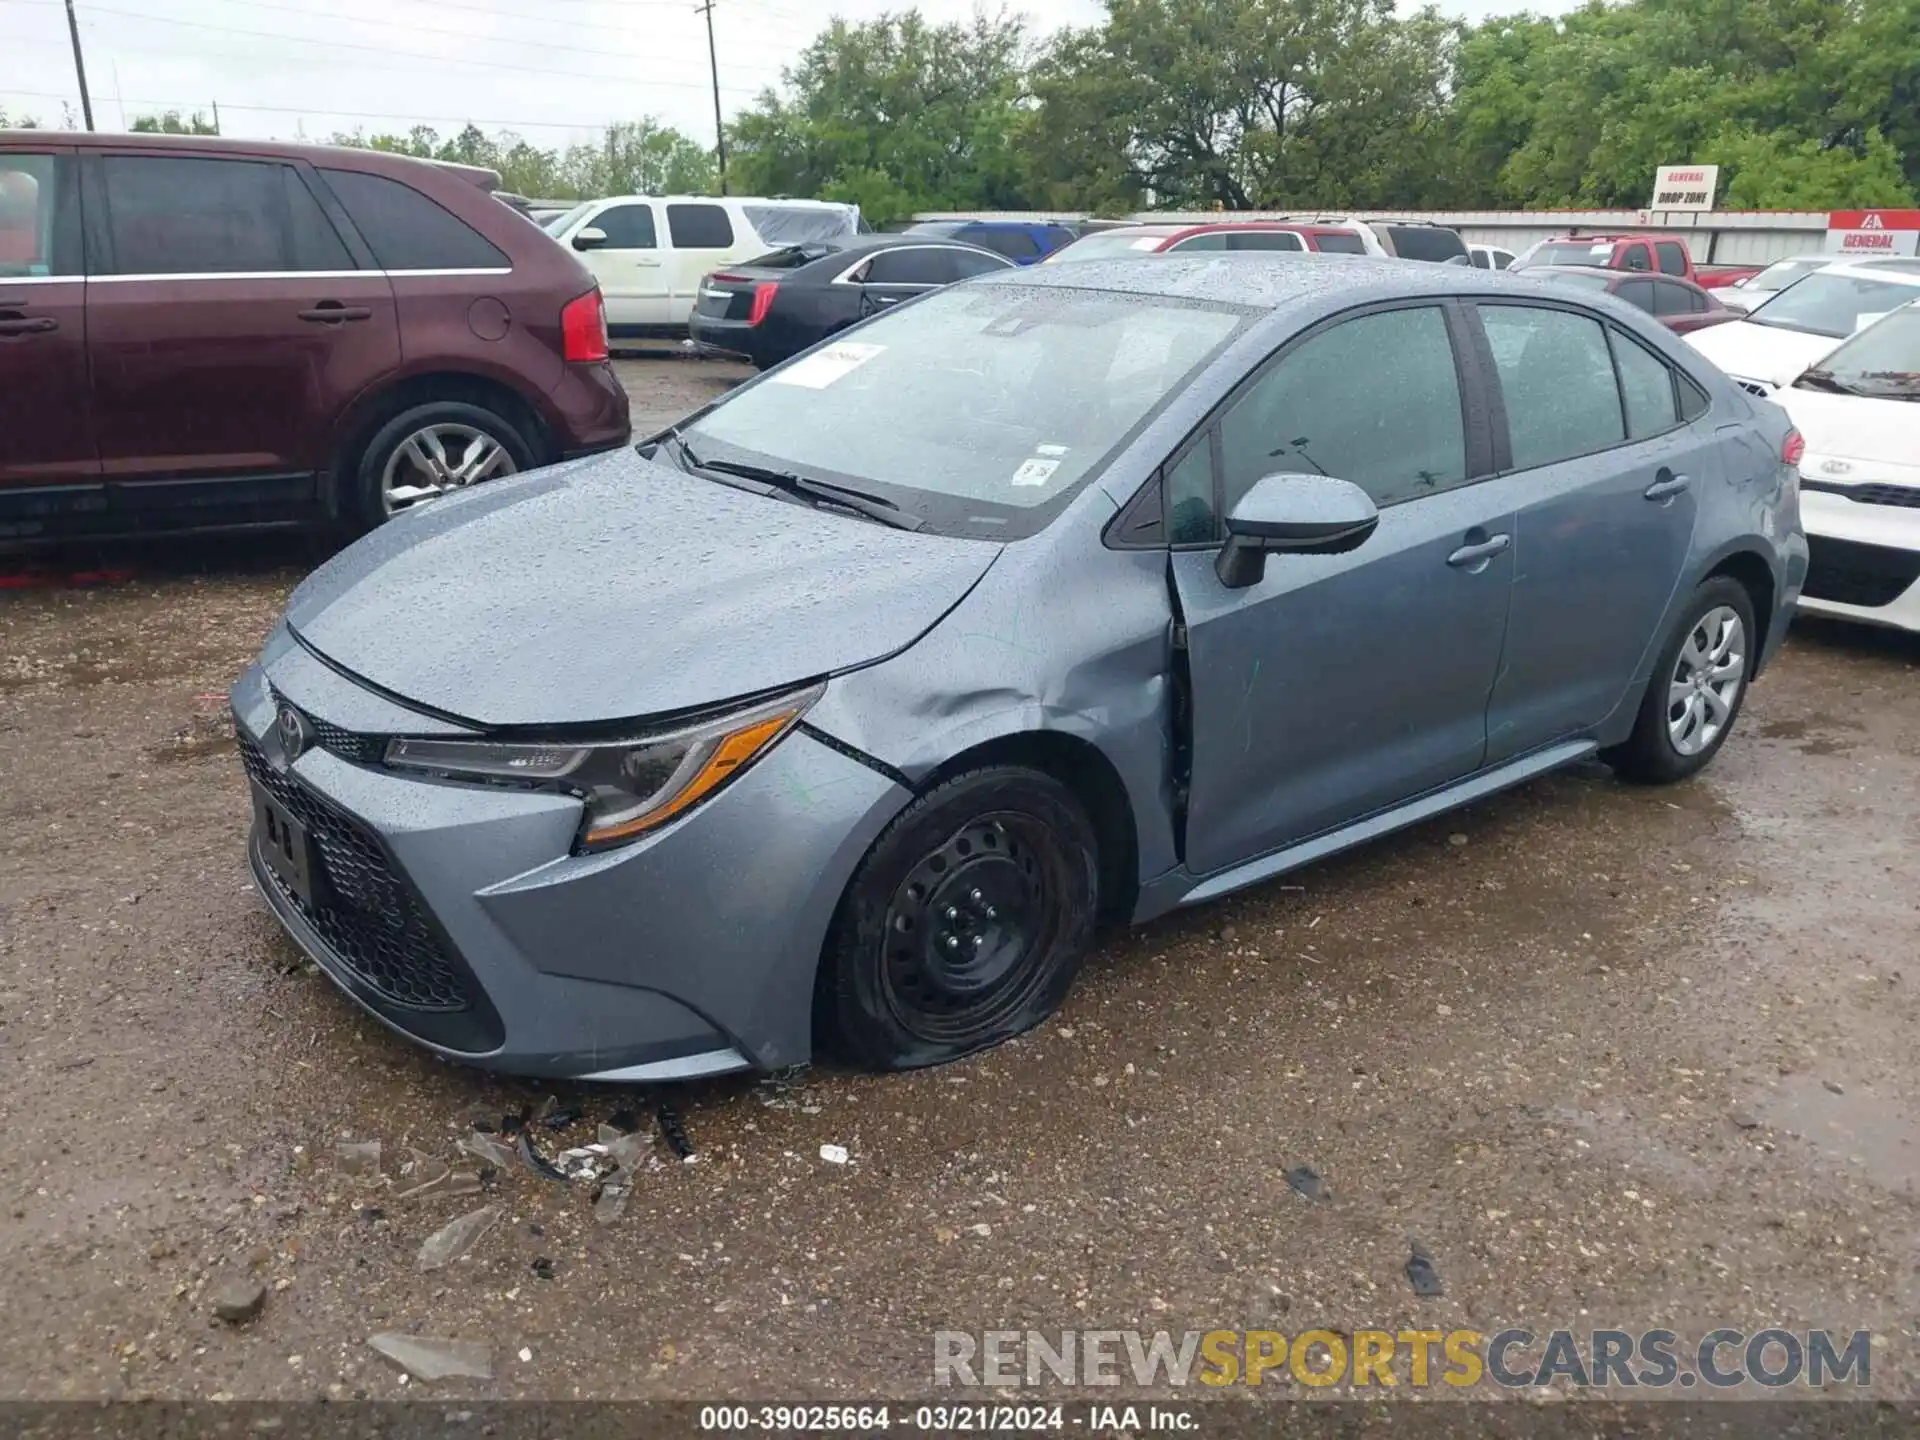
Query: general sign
point(1868, 233)
point(1684, 187)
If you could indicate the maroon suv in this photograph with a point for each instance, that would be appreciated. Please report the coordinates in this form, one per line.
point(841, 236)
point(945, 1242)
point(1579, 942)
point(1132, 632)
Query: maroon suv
point(200, 333)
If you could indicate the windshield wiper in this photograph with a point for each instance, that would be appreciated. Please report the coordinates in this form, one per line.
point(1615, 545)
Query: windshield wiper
point(818, 492)
point(1817, 379)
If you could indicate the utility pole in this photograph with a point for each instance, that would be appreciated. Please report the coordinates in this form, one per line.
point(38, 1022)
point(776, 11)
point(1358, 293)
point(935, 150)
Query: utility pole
point(80, 66)
point(216, 117)
point(713, 58)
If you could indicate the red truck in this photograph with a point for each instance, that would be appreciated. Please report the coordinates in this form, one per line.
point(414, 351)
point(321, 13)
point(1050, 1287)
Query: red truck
point(1663, 254)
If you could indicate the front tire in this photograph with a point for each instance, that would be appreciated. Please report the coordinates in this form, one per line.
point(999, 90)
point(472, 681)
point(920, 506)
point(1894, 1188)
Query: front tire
point(435, 449)
point(1698, 686)
point(965, 925)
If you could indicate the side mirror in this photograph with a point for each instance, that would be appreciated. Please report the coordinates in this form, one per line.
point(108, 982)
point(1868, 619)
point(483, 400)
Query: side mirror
point(591, 238)
point(1296, 514)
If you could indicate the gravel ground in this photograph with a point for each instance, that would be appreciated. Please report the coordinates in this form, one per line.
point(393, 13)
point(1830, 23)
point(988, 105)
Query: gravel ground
point(1616, 1056)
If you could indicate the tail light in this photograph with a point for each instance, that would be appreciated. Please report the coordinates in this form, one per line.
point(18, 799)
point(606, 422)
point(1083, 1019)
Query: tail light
point(724, 278)
point(1793, 447)
point(583, 328)
point(763, 294)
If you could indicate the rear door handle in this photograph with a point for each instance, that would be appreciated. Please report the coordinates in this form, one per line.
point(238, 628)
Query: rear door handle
point(24, 325)
point(1468, 556)
point(1666, 485)
point(332, 312)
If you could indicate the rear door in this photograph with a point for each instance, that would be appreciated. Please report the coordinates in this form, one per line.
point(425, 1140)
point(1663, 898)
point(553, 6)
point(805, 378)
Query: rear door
point(630, 264)
point(701, 237)
point(46, 426)
point(228, 326)
point(1608, 474)
point(1339, 685)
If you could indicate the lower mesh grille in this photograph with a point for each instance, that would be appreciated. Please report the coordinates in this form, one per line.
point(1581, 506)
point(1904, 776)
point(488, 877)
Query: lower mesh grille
point(362, 909)
point(1849, 573)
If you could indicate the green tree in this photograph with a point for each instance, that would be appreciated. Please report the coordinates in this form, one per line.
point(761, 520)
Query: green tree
point(895, 115)
point(23, 122)
point(171, 122)
point(639, 157)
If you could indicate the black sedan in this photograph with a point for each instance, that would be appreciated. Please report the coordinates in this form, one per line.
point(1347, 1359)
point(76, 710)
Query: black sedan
point(780, 304)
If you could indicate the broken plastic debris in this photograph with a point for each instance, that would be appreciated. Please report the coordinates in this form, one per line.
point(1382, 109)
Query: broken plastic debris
point(563, 1117)
point(1420, 1272)
point(428, 1357)
point(627, 1151)
point(428, 1174)
point(674, 1131)
point(534, 1160)
point(610, 1204)
point(497, 1153)
point(834, 1154)
point(456, 1238)
point(359, 1157)
point(624, 1120)
point(1306, 1183)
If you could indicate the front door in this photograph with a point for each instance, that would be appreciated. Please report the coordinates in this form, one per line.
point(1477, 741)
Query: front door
point(630, 265)
point(1610, 471)
point(228, 327)
point(46, 426)
point(1340, 685)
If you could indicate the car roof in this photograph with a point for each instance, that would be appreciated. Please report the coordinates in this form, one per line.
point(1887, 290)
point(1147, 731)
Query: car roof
point(362, 157)
point(1263, 280)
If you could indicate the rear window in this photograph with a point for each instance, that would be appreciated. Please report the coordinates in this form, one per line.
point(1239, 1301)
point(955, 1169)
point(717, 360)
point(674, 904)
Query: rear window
point(1425, 242)
point(1578, 282)
point(791, 257)
point(1339, 242)
point(699, 227)
point(30, 187)
point(406, 230)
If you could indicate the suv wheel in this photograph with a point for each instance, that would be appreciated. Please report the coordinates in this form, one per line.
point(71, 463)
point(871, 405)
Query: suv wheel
point(432, 450)
point(965, 924)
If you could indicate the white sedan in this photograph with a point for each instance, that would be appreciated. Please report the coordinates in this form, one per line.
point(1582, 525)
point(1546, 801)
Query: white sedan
point(1756, 290)
point(1770, 347)
point(1859, 411)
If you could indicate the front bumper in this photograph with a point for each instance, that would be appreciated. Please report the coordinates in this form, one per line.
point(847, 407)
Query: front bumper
point(1865, 562)
point(457, 915)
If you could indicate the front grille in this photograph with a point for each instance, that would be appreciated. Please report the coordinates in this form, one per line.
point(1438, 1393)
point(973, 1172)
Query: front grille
point(1906, 497)
point(363, 910)
point(1849, 573)
point(361, 749)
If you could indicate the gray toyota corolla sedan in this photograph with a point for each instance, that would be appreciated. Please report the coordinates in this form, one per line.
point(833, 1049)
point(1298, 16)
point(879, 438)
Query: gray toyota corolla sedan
point(839, 715)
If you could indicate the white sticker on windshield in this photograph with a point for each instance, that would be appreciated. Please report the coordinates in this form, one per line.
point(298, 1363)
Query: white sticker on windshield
point(822, 368)
point(1035, 472)
point(1049, 449)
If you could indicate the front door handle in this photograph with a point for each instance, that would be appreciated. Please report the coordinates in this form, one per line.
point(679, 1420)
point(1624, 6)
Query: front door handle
point(1468, 557)
point(25, 325)
point(332, 312)
point(1666, 485)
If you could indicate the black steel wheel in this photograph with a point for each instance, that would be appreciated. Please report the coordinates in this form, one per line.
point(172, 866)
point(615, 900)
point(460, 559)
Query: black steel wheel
point(965, 925)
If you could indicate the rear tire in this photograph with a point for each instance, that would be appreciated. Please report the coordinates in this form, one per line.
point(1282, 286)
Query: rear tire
point(964, 926)
point(1699, 684)
point(433, 449)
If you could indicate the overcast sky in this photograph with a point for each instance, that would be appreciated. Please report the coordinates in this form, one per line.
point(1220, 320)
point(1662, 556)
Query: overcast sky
point(554, 70)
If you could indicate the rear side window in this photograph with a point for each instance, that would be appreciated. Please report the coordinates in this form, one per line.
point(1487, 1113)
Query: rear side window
point(1264, 240)
point(35, 194)
point(1693, 400)
point(1672, 255)
point(1637, 293)
point(627, 227)
point(1671, 299)
point(968, 263)
point(182, 215)
point(699, 227)
point(1339, 242)
point(917, 266)
point(1012, 243)
point(1646, 388)
point(406, 230)
point(1557, 379)
point(1307, 414)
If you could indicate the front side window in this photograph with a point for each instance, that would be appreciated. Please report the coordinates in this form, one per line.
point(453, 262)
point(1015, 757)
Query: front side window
point(995, 402)
point(184, 215)
point(1635, 257)
point(699, 227)
point(1556, 377)
point(31, 194)
point(1646, 387)
point(408, 231)
point(1322, 410)
point(627, 227)
point(1829, 304)
point(1672, 255)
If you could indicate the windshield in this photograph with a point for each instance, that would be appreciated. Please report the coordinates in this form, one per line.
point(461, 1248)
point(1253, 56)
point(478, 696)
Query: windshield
point(979, 409)
point(558, 224)
point(1582, 282)
point(1783, 273)
point(1826, 303)
point(1105, 247)
point(1882, 361)
point(1566, 252)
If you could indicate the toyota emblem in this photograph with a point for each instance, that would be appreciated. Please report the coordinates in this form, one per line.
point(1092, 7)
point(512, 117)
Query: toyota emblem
point(295, 736)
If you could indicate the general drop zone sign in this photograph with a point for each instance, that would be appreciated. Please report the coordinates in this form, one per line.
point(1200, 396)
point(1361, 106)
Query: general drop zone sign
point(1868, 233)
point(1684, 187)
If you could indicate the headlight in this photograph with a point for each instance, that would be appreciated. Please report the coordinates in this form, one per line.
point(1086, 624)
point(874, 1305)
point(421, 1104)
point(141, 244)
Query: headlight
point(629, 786)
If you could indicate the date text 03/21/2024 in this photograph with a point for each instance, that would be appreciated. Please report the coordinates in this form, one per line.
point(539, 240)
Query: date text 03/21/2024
point(960, 1419)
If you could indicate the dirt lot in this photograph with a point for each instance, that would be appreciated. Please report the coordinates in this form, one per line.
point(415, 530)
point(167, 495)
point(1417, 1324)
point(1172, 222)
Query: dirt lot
point(1615, 1056)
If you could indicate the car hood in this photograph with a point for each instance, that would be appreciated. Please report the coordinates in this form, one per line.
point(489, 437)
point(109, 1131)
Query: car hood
point(615, 588)
point(1871, 439)
point(1748, 351)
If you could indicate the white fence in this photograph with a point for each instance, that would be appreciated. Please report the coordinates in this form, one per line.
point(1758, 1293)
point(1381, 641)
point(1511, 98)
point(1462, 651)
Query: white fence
point(1716, 237)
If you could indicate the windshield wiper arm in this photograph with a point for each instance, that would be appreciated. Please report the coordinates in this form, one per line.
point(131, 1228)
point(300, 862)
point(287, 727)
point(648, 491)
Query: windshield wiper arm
point(1817, 379)
point(820, 492)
